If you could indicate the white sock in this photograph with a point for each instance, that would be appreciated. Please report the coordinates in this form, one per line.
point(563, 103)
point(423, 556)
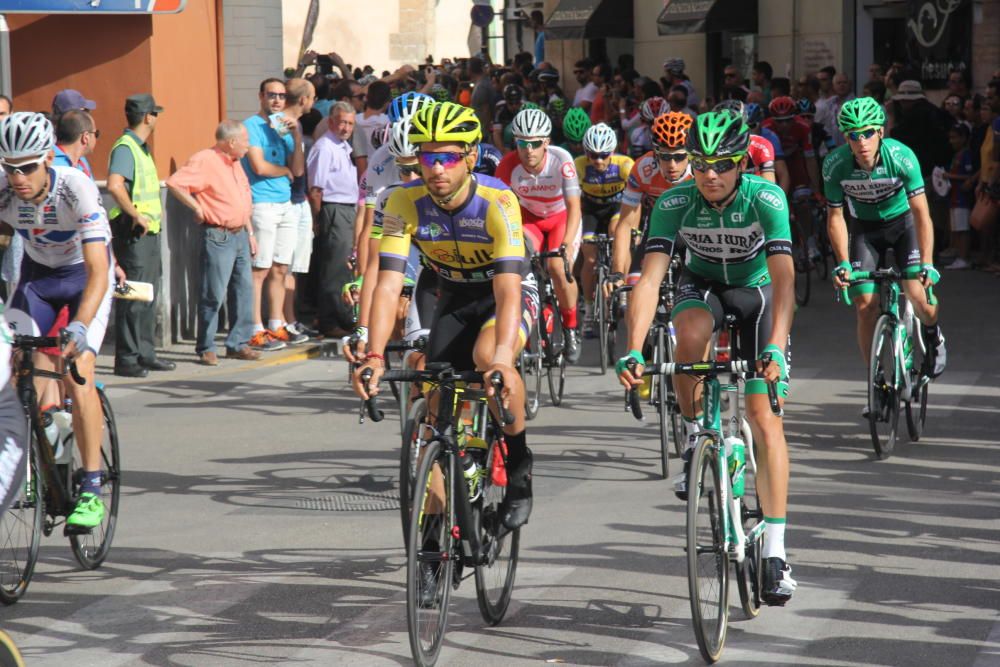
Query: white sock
point(258, 327)
point(774, 538)
point(275, 325)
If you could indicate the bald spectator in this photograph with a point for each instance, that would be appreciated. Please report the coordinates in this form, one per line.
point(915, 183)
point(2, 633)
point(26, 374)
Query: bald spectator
point(76, 138)
point(215, 187)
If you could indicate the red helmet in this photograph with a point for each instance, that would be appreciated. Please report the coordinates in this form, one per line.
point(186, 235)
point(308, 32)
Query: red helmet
point(783, 107)
point(652, 108)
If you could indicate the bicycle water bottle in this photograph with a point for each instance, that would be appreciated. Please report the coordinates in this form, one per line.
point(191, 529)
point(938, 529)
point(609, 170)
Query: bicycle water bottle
point(737, 463)
point(51, 428)
point(472, 471)
point(547, 318)
point(64, 449)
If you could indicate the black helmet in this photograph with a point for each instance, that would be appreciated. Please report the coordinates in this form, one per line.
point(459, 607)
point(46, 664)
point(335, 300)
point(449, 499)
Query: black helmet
point(513, 93)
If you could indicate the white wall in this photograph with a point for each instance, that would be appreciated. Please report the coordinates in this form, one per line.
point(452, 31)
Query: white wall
point(252, 40)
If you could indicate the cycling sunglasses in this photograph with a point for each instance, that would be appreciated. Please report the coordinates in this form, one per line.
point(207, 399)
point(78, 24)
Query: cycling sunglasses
point(858, 135)
point(530, 143)
point(671, 157)
point(446, 159)
point(598, 156)
point(25, 168)
point(719, 165)
point(408, 169)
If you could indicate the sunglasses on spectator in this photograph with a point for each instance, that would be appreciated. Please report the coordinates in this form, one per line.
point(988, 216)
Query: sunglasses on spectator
point(409, 169)
point(530, 143)
point(670, 157)
point(719, 165)
point(275, 96)
point(858, 135)
point(96, 133)
point(598, 156)
point(25, 168)
point(446, 159)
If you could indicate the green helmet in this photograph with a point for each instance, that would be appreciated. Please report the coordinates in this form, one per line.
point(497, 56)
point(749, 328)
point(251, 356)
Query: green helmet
point(859, 113)
point(440, 93)
point(718, 134)
point(575, 124)
point(530, 105)
point(557, 107)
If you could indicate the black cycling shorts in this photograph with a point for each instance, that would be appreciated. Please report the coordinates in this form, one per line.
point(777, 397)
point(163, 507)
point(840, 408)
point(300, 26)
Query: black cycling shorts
point(596, 219)
point(463, 311)
point(13, 446)
point(870, 243)
point(751, 306)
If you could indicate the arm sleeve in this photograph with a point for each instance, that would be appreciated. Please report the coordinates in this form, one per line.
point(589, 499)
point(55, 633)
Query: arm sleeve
point(90, 214)
point(503, 224)
point(570, 181)
point(633, 188)
point(832, 189)
point(664, 223)
point(506, 167)
point(397, 222)
point(913, 180)
point(771, 208)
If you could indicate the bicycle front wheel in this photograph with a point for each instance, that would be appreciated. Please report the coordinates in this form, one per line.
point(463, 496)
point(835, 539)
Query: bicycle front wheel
point(662, 408)
point(708, 560)
point(916, 412)
point(21, 530)
point(556, 367)
point(408, 459)
point(429, 556)
point(801, 260)
point(531, 371)
point(92, 548)
point(601, 306)
point(883, 389)
point(495, 574)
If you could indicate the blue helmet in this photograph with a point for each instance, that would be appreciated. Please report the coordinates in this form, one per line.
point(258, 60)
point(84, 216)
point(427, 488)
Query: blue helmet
point(753, 113)
point(407, 104)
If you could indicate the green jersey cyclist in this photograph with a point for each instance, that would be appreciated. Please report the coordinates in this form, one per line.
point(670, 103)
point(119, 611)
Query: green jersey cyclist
point(735, 227)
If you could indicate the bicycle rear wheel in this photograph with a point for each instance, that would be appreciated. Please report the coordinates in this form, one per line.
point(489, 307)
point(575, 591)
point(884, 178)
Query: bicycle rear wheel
point(800, 257)
point(9, 655)
point(92, 548)
point(916, 413)
point(662, 408)
point(883, 389)
point(21, 530)
point(408, 458)
point(429, 561)
point(708, 561)
point(601, 306)
point(531, 371)
point(556, 365)
point(495, 576)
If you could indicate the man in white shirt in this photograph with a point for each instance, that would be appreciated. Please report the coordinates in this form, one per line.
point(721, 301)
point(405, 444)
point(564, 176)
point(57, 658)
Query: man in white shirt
point(585, 95)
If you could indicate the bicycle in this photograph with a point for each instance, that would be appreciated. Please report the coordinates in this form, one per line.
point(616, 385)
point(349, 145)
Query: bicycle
point(51, 487)
point(602, 311)
point(724, 523)
point(461, 473)
point(9, 655)
point(547, 340)
point(895, 374)
point(663, 341)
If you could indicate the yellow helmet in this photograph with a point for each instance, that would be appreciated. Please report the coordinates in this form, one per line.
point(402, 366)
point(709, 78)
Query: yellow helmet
point(445, 122)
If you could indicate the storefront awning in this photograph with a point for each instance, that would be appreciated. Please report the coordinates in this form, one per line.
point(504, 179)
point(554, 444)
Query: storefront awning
point(683, 16)
point(590, 19)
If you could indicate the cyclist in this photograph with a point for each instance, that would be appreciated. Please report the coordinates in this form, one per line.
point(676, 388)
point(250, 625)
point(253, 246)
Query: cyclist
point(513, 98)
point(57, 211)
point(488, 159)
point(13, 426)
point(736, 230)
point(575, 124)
point(468, 230)
point(603, 175)
point(653, 174)
point(639, 127)
point(880, 180)
point(556, 109)
point(545, 181)
point(754, 115)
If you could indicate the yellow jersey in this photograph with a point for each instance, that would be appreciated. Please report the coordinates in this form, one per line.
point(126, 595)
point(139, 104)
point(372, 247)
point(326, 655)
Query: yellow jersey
point(603, 188)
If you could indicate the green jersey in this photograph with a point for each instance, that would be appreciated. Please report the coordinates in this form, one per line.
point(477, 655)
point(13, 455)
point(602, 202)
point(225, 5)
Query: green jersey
point(729, 246)
point(879, 195)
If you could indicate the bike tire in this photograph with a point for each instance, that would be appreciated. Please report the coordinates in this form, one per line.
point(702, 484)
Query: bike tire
point(9, 655)
point(707, 558)
point(556, 364)
point(427, 624)
point(531, 372)
point(916, 413)
point(673, 407)
point(662, 407)
point(21, 530)
point(749, 573)
point(408, 457)
point(495, 576)
point(800, 258)
point(601, 306)
point(883, 390)
point(91, 549)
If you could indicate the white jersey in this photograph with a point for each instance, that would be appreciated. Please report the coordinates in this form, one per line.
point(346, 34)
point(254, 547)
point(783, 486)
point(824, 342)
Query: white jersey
point(6, 339)
point(542, 194)
point(54, 231)
point(381, 173)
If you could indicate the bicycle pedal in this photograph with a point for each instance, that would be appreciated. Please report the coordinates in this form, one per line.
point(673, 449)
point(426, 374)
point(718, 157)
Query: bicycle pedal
point(69, 530)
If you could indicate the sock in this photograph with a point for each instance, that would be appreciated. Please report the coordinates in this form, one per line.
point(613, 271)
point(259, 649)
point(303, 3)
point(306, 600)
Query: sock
point(588, 310)
point(774, 538)
point(568, 317)
point(257, 328)
point(517, 449)
point(275, 325)
point(91, 482)
point(691, 427)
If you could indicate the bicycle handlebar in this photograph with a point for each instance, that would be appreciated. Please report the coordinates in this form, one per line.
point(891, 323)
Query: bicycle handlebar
point(38, 342)
point(561, 253)
point(880, 275)
point(418, 344)
point(370, 404)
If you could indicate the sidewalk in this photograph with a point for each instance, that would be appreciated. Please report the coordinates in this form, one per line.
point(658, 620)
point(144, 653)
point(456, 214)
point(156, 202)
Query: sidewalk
point(184, 356)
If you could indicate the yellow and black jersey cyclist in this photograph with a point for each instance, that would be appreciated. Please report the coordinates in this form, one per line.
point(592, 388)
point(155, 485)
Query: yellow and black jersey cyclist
point(468, 230)
point(603, 176)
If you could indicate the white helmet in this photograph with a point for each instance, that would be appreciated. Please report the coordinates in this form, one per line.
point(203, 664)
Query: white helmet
point(531, 123)
point(380, 135)
point(399, 139)
point(25, 134)
point(600, 138)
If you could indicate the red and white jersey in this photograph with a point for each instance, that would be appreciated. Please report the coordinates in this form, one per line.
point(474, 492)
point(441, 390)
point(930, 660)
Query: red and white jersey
point(646, 182)
point(542, 194)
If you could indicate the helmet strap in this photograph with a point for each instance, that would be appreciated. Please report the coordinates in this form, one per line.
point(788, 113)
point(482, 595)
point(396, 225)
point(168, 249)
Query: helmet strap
point(444, 201)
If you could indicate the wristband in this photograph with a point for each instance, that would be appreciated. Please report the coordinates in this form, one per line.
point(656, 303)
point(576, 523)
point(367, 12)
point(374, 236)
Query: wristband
point(622, 364)
point(374, 355)
point(362, 334)
point(616, 276)
point(777, 356)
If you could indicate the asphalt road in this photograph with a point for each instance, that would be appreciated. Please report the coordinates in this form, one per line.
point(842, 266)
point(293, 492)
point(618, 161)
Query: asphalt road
point(258, 526)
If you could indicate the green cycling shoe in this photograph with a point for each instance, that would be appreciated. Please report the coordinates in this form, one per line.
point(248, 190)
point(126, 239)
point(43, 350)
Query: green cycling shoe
point(88, 513)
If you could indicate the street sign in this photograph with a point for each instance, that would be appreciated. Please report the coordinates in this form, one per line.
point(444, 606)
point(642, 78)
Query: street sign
point(91, 6)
